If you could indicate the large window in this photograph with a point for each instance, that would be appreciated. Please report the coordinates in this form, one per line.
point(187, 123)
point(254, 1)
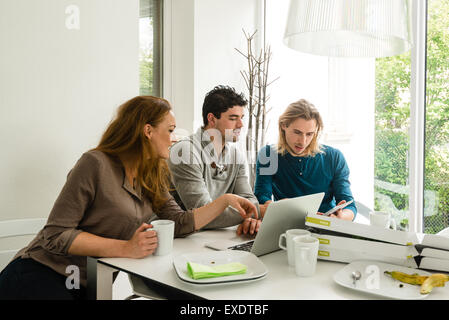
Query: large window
point(150, 53)
point(392, 127)
point(436, 179)
point(392, 156)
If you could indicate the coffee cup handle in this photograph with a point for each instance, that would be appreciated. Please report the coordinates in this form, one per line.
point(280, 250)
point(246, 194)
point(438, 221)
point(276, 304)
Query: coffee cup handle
point(393, 224)
point(281, 240)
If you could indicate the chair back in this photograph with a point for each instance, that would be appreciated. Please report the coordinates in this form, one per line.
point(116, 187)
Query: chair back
point(17, 228)
point(362, 209)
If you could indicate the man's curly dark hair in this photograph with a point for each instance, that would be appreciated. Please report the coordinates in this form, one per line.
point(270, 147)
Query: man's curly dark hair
point(220, 99)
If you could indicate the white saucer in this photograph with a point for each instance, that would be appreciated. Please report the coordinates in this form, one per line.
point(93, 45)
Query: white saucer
point(255, 268)
point(374, 281)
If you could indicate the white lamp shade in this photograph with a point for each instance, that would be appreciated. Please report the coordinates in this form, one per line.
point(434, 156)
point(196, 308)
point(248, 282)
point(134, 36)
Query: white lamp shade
point(349, 28)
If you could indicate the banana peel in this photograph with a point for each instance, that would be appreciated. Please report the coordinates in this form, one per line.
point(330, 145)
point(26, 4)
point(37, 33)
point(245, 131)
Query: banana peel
point(414, 279)
point(435, 280)
point(427, 283)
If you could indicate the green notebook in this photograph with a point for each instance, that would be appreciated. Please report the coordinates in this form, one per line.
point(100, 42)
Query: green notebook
point(200, 271)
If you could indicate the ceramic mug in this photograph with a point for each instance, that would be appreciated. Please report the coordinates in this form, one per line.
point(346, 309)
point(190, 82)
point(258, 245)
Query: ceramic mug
point(165, 230)
point(306, 255)
point(382, 219)
point(285, 242)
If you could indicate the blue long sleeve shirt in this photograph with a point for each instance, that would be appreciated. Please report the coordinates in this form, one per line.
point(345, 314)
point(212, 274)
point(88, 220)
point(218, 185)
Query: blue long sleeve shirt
point(287, 176)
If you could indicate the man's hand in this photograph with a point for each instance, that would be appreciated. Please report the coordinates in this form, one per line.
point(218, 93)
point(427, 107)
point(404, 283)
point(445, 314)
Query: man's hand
point(263, 208)
point(246, 208)
point(345, 214)
point(249, 226)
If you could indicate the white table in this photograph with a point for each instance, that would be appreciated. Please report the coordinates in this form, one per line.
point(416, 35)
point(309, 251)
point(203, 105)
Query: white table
point(281, 282)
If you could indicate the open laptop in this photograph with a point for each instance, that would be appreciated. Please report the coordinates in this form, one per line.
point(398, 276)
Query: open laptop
point(280, 216)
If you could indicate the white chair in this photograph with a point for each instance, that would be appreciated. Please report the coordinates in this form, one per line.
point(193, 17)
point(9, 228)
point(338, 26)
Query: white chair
point(362, 213)
point(385, 203)
point(17, 228)
point(362, 209)
point(444, 232)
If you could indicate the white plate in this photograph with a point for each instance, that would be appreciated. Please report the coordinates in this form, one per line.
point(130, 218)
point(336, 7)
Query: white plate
point(374, 280)
point(255, 268)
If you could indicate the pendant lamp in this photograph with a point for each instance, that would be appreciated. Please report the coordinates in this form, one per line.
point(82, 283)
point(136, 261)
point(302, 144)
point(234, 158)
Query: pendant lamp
point(349, 28)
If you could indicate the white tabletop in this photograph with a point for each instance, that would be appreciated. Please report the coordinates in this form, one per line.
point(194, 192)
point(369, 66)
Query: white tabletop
point(281, 281)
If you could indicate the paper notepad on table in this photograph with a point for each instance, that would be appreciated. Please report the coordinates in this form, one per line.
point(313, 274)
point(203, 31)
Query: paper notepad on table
point(426, 249)
point(434, 241)
point(430, 263)
point(362, 230)
point(434, 252)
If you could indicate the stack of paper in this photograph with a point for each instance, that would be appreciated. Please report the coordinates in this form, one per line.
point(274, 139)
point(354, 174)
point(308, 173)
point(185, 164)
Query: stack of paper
point(434, 252)
point(341, 247)
point(346, 241)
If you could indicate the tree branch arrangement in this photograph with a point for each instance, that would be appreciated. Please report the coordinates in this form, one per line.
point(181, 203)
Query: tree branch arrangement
point(256, 81)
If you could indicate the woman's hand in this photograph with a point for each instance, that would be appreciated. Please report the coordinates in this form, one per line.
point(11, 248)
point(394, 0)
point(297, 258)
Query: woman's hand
point(142, 244)
point(246, 208)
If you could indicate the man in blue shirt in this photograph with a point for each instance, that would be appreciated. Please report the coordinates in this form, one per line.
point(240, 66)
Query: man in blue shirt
point(299, 165)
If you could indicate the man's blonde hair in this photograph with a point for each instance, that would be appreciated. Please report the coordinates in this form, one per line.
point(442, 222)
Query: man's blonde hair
point(307, 111)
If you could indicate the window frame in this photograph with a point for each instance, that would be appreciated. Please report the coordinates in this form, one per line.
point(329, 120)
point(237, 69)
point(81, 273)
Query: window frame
point(417, 116)
point(156, 12)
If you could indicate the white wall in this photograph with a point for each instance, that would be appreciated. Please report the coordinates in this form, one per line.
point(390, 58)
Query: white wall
point(199, 51)
point(178, 60)
point(301, 75)
point(218, 31)
point(341, 89)
point(59, 89)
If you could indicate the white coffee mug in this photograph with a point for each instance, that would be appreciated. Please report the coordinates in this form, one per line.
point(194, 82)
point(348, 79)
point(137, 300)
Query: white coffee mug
point(382, 219)
point(306, 255)
point(165, 230)
point(287, 239)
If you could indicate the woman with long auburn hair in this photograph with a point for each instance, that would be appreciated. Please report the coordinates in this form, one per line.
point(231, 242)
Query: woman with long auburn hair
point(299, 165)
point(125, 138)
point(105, 206)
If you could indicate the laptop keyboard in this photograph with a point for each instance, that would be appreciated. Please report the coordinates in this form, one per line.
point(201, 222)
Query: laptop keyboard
point(243, 246)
